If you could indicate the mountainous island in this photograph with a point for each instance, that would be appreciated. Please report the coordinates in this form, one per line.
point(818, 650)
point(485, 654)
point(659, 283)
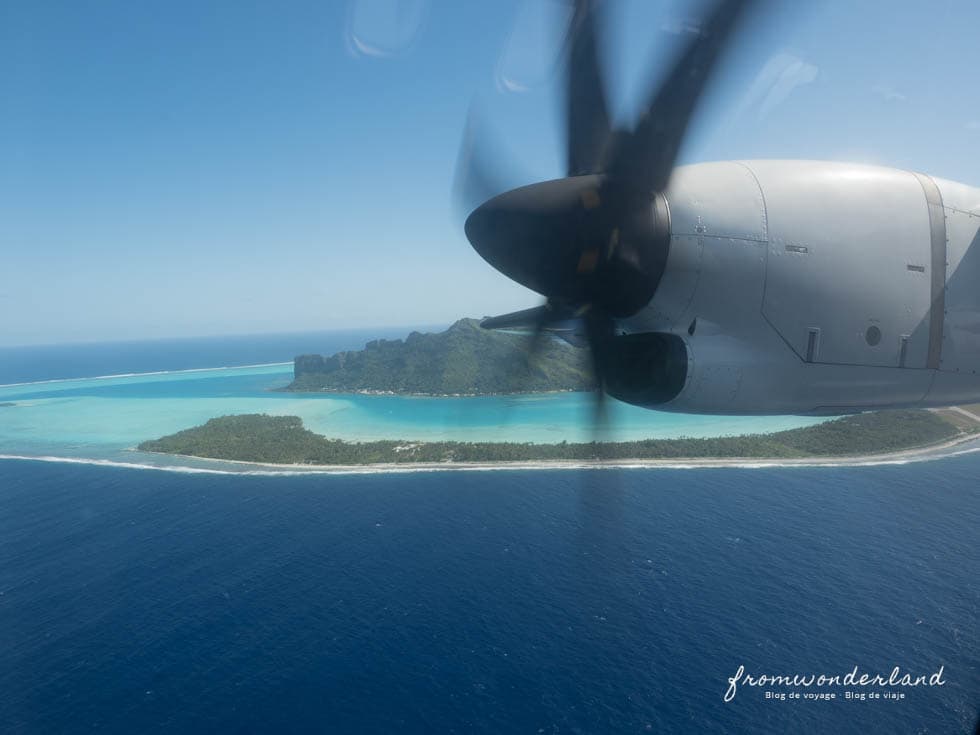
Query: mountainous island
point(463, 360)
point(468, 360)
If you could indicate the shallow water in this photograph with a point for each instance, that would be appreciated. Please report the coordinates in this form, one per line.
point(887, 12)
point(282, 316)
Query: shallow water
point(105, 417)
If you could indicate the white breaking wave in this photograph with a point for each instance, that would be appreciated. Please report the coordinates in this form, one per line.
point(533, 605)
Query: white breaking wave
point(271, 470)
point(152, 372)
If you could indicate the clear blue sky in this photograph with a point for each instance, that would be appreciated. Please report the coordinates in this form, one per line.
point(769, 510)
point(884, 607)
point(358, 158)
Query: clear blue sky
point(190, 168)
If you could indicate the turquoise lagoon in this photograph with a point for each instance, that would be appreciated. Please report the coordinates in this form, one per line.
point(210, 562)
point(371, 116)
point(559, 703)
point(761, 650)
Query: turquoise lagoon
point(105, 418)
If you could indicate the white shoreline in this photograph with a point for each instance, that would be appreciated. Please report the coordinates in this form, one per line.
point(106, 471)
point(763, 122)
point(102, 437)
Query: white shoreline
point(270, 469)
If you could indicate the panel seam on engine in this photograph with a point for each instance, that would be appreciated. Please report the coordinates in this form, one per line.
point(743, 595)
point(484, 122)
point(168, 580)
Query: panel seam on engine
point(937, 280)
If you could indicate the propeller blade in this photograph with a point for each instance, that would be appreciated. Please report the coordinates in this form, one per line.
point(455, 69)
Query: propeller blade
point(535, 317)
point(586, 107)
point(549, 317)
point(480, 174)
point(542, 318)
point(643, 160)
point(601, 484)
point(600, 330)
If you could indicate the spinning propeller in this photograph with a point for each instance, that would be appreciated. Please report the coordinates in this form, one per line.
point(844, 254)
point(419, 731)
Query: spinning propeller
point(595, 243)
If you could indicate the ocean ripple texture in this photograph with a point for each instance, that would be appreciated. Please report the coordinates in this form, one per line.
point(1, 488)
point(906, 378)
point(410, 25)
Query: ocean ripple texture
point(547, 601)
point(617, 601)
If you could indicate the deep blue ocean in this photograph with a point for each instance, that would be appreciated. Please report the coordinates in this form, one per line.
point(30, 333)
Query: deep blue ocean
point(89, 360)
point(560, 601)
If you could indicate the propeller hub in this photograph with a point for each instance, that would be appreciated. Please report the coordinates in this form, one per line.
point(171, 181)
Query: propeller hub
point(577, 240)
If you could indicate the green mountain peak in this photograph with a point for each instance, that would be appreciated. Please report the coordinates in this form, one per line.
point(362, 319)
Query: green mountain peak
point(463, 360)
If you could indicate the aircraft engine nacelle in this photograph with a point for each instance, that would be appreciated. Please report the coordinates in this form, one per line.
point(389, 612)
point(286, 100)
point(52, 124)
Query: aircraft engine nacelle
point(811, 287)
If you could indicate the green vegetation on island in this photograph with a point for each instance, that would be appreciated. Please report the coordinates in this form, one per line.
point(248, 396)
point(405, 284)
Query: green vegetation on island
point(6, 404)
point(463, 360)
point(284, 440)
